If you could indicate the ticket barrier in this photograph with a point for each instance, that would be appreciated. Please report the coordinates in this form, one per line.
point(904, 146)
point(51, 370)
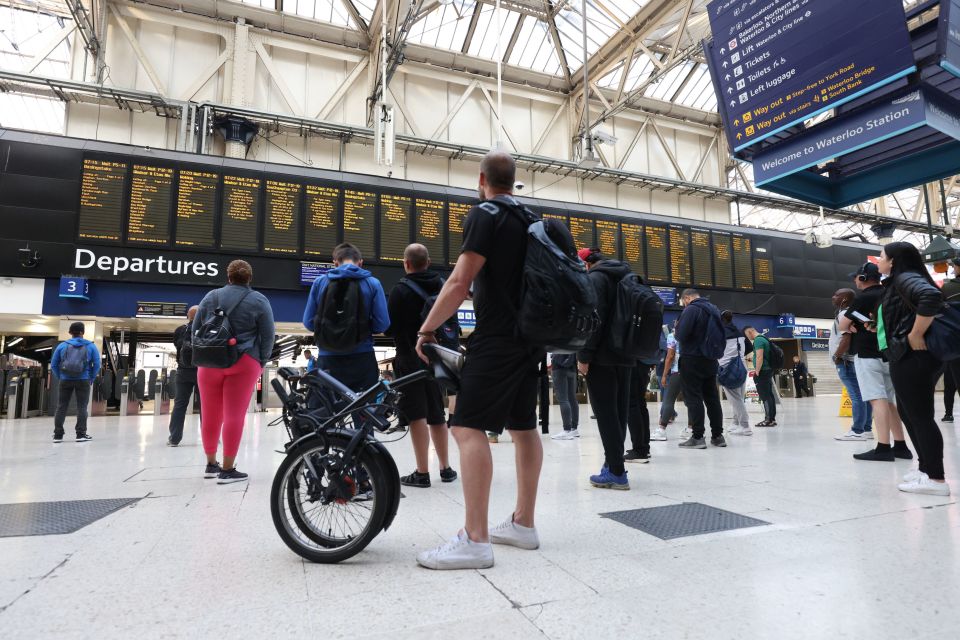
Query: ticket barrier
point(13, 392)
point(161, 399)
point(101, 392)
point(269, 398)
point(24, 393)
point(129, 402)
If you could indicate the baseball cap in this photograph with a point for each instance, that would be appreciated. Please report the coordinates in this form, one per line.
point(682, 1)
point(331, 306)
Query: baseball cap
point(589, 255)
point(77, 327)
point(869, 270)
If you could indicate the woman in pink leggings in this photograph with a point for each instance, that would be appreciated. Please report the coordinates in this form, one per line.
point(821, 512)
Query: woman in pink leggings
point(225, 393)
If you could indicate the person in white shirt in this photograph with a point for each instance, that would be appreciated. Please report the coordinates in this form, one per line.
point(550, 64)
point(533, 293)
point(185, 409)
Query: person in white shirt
point(736, 393)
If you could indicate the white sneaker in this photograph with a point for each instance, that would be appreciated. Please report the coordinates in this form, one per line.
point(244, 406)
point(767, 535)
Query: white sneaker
point(735, 430)
point(742, 431)
point(510, 533)
point(913, 476)
point(563, 435)
point(575, 433)
point(926, 486)
point(459, 553)
point(868, 435)
point(850, 436)
point(658, 434)
point(686, 434)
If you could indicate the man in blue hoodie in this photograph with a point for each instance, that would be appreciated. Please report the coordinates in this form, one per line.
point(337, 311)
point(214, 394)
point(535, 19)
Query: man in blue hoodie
point(355, 367)
point(700, 331)
point(75, 363)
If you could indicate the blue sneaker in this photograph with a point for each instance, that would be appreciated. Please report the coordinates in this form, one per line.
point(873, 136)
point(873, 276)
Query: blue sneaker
point(607, 480)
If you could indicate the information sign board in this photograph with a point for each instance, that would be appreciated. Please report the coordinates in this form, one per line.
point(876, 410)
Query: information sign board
point(310, 271)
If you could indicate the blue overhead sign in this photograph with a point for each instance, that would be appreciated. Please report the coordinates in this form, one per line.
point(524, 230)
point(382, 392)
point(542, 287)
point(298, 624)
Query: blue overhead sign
point(72, 287)
point(776, 63)
point(804, 331)
point(949, 45)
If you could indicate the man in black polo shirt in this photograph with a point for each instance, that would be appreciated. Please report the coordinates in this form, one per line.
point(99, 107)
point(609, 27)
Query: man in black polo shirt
point(499, 381)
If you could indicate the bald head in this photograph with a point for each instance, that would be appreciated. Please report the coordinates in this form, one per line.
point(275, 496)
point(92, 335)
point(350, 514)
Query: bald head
point(843, 297)
point(498, 173)
point(415, 258)
point(191, 312)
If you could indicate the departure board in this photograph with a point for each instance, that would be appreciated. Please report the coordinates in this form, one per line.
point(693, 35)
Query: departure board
point(656, 251)
point(456, 218)
point(632, 238)
point(239, 213)
point(679, 255)
point(430, 227)
point(359, 208)
point(281, 230)
point(322, 220)
point(151, 194)
point(608, 238)
point(743, 262)
point(702, 258)
point(394, 226)
point(582, 230)
point(722, 260)
point(762, 266)
point(196, 208)
point(555, 216)
point(101, 199)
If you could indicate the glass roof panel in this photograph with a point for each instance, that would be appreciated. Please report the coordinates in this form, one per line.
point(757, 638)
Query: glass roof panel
point(535, 49)
point(484, 42)
point(445, 27)
point(332, 11)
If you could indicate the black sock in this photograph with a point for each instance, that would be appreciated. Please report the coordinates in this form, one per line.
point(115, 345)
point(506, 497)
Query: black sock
point(882, 447)
point(899, 445)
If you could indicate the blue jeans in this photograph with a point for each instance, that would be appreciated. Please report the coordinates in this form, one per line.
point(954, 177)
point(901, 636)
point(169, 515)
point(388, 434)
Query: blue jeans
point(862, 411)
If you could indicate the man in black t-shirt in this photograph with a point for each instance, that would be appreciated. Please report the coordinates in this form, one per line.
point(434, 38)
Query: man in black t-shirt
point(499, 380)
point(873, 371)
point(186, 384)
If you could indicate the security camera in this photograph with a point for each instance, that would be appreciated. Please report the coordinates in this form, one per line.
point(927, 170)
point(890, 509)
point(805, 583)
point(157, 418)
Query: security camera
point(602, 137)
point(810, 238)
point(519, 186)
point(29, 258)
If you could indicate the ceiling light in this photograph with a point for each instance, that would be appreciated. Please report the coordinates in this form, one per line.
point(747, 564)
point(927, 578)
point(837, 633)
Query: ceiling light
point(43, 349)
point(14, 341)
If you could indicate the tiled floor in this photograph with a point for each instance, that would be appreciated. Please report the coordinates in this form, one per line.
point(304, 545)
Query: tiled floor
point(846, 555)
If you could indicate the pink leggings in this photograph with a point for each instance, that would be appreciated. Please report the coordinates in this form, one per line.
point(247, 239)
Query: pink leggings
point(224, 398)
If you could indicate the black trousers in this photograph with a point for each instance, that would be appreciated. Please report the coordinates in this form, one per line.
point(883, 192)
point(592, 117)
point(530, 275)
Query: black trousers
point(699, 378)
point(764, 382)
point(951, 380)
point(186, 386)
point(800, 383)
point(356, 371)
point(609, 389)
point(915, 381)
point(68, 388)
point(639, 417)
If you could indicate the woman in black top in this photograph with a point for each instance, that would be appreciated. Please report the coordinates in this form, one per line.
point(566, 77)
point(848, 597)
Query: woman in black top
point(911, 301)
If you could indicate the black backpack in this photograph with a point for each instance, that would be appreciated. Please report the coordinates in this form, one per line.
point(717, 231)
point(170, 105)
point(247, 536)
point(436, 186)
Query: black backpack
point(715, 337)
point(448, 333)
point(558, 304)
point(776, 356)
point(185, 350)
point(342, 322)
point(636, 319)
point(73, 361)
point(214, 342)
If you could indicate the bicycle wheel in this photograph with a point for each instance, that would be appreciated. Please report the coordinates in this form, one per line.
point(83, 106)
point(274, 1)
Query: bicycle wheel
point(319, 526)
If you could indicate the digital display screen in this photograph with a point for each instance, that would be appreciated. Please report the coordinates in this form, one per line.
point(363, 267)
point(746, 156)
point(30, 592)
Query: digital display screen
point(722, 260)
point(322, 220)
point(583, 232)
point(239, 213)
point(679, 255)
point(457, 216)
point(151, 194)
point(101, 199)
point(281, 231)
point(702, 258)
point(608, 238)
point(555, 216)
point(430, 226)
point(394, 226)
point(762, 266)
point(196, 208)
point(655, 248)
point(359, 209)
point(743, 262)
point(632, 238)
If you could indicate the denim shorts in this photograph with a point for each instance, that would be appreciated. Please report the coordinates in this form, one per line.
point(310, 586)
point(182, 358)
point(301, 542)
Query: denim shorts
point(873, 378)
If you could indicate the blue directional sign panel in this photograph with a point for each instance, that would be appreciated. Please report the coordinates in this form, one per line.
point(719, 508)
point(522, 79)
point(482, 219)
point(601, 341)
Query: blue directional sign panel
point(777, 63)
point(949, 44)
point(72, 287)
point(804, 331)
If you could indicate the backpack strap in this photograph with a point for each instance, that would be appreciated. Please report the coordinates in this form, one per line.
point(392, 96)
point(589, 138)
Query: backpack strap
point(417, 289)
point(219, 310)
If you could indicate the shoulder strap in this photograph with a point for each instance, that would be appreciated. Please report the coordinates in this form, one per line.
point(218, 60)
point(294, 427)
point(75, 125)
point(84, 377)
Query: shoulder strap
point(417, 289)
point(520, 211)
point(237, 303)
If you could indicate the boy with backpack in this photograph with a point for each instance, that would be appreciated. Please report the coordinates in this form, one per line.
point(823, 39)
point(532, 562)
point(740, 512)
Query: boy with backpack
point(75, 363)
point(344, 309)
point(700, 331)
point(422, 403)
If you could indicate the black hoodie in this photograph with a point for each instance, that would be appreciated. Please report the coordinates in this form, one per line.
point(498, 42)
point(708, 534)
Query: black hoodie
point(605, 276)
point(405, 308)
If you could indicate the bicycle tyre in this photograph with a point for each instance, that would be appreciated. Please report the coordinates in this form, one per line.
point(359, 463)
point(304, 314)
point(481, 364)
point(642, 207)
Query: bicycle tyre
point(293, 528)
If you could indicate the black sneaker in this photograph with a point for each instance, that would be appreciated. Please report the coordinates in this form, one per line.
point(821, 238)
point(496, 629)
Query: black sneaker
point(693, 443)
point(635, 456)
point(718, 441)
point(212, 470)
point(902, 454)
point(85, 437)
point(947, 418)
point(448, 475)
point(416, 479)
point(878, 456)
point(228, 476)
point(171, 443)
point(57, 439)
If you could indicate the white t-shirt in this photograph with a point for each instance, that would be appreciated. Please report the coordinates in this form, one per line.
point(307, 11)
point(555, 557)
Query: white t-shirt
point(673, 344)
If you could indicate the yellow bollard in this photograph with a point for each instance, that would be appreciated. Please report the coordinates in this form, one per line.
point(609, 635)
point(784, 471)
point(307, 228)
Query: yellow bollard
point(846, 406)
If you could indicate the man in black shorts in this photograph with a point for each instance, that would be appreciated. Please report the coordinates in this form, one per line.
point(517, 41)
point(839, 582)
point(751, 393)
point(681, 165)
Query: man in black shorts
point(421, 403)
point(499, 381)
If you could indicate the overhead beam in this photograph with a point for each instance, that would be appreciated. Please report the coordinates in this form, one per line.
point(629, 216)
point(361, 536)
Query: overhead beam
point(54, 38)
point(477, 9)
point(277, 77)
point(138, 50)
point(341, 91)
point(561, 54)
